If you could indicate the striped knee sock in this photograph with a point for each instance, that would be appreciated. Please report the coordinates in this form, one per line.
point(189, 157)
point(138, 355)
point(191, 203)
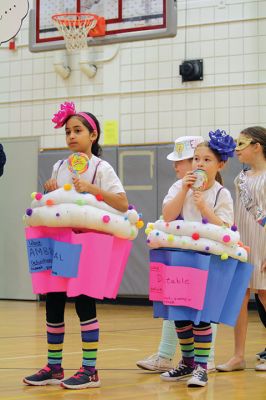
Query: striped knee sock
point(186, 341)
point(90, 338)
point(203, 340)
point(55, 339)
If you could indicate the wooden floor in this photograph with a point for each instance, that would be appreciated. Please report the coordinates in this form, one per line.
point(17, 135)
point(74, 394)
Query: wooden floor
point(128, 333)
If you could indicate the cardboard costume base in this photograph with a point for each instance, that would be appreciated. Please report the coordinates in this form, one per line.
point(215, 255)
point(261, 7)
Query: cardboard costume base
point(227, 282)
point(101, 263)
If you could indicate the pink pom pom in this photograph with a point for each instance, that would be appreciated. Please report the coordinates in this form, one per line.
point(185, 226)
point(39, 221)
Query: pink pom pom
point(226, 238)
point(38, 196)
point(106, 219)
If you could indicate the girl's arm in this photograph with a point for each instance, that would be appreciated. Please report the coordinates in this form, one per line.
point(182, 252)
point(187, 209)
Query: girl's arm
point(116, 200)
point(173, 207)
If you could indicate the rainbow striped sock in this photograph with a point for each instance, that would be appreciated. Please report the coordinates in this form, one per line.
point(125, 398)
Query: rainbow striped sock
point(186, 341)
point(90, 338)
point(55, 340)
point(203, 340)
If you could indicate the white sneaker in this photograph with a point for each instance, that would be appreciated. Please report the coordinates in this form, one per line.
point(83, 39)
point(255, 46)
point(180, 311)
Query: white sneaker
point(199, 377)
point(211, 366)
point(155, 363)
point(261, 367)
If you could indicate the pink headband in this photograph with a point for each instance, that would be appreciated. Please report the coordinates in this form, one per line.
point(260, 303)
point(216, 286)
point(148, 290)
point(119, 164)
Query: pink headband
point(67, 109)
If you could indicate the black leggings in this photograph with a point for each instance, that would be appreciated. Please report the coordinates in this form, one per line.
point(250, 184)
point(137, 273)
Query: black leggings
point(55, 307)
point(180, 324)
point(261, 311)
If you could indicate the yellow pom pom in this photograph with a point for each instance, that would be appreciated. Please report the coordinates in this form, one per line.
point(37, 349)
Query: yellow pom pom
point(67, 186)
point(33, 195)
point(148, 231)
point(224, 256)
point(150, 225)
point(170, 238)
point(139, 224)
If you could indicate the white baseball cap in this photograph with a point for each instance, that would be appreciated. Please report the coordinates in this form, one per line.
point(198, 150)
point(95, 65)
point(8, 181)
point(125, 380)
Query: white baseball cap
point(184, 148)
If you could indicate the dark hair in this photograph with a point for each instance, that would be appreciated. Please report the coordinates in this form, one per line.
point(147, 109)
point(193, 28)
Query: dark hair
point(218, 176)
point(96, 148)
point(258, 134)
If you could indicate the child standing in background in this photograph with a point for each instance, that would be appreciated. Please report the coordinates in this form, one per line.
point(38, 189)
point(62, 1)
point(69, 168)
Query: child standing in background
point(182, 158)
point(215, 204)
point(251, 221)
point(82, 135)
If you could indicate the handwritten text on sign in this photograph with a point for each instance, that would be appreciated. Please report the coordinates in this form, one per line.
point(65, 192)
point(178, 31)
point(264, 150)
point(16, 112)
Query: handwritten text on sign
point(49, 254)
point(178, 285)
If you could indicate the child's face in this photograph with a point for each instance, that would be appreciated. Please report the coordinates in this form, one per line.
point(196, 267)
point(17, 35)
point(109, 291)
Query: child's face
point(182, 167)
point(246, 152)
point(78, 137)
point(205, 159)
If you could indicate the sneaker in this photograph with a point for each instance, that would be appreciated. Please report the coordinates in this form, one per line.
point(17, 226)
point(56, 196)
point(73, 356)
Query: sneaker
point(46, 376)
point(199, 378)
point(211, 366)
point(82, 380)
point(155, 363)
point(180, 372)
point(260, 355)
point(261, 367)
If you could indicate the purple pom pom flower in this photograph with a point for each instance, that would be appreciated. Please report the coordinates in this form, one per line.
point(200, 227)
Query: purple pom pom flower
point(222, 143)
point(67, 109)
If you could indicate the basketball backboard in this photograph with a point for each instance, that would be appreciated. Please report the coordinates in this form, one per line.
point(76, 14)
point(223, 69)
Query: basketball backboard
point(126, 20)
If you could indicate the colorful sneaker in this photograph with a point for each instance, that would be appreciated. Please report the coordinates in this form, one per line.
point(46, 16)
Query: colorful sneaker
point(46, 376)
point(182, 371)
point(260, 355)
point(199, 377)
point(155, 363)
point(211, 366)
point(82, 380)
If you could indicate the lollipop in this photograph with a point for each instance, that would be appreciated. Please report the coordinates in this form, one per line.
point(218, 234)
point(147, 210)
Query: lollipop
point(201, 180)
point(78, 163)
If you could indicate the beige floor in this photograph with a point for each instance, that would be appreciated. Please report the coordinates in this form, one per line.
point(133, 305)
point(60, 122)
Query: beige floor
point(128, 333)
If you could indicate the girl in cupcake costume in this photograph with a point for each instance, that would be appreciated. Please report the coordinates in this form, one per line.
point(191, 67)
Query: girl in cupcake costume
point(251, 220)
point(98, 178)
point(195, 202)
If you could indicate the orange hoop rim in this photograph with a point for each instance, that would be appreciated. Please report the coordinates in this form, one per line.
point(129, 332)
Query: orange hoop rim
point(88, 17)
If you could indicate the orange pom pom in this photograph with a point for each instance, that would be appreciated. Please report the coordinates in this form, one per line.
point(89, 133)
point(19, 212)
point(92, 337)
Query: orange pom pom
point(49, 202)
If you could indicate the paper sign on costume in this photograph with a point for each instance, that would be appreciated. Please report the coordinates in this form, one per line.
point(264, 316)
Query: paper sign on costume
point(47, 254)
point(178, 285)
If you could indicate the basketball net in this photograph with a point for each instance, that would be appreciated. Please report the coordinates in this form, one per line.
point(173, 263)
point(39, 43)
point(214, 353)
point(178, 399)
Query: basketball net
point(75, 28)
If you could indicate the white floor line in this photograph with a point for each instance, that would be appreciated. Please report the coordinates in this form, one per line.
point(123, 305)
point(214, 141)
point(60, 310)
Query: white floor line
point(65, 354)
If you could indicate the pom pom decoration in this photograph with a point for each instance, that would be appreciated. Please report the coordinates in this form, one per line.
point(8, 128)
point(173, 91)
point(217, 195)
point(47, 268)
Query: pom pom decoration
point(224, 256)
point(234, 228)
point(139, 224)
point(106, 219)
point(67, 186)
point(195, 236)
point(204, 220)
point(33, 195)
point(49, 202)
point(67, 109)
point(38, 196)
point(226, 238)
point(222, 143)
point(29, 212)
point(99, 197)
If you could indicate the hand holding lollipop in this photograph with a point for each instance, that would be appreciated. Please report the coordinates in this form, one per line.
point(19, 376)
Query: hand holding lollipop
point(201, 181)
point(78, 163)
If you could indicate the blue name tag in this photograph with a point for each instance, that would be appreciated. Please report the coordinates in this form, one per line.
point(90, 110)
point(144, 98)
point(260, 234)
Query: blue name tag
point(59, 257)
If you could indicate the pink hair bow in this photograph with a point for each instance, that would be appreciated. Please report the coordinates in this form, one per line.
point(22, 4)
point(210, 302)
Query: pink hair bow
point(66, 110)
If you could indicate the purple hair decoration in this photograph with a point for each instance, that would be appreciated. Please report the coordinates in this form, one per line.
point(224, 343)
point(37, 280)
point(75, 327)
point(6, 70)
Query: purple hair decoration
point(222, 143)
point(66, 110)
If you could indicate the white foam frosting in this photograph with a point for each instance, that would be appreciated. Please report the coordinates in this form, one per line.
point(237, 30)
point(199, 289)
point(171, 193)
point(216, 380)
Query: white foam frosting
point(203, 237)
point(82, 210)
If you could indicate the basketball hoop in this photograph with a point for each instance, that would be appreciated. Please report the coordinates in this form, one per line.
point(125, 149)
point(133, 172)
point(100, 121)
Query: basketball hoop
point(75, 28)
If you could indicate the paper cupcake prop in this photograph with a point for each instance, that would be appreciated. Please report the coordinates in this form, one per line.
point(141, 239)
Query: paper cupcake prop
point(198, 271)
point(77, 243)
